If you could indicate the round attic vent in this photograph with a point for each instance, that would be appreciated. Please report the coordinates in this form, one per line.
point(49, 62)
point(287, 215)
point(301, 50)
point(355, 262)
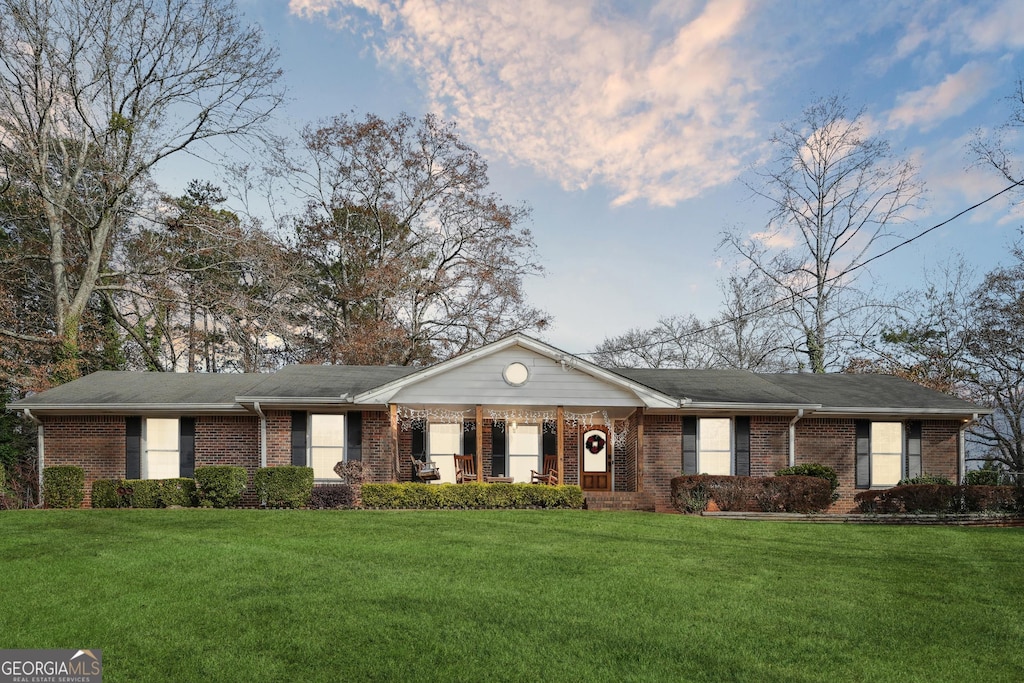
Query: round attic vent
point(516, 374)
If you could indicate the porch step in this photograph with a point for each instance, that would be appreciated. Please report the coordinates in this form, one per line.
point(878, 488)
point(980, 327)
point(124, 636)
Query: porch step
point(619, 500)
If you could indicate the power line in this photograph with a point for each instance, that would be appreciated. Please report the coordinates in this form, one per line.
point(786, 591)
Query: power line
point(774, 304)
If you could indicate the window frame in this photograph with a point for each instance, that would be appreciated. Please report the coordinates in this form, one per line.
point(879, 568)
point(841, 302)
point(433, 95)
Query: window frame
point(311, 448)
point(146, 450)
point(730, 451)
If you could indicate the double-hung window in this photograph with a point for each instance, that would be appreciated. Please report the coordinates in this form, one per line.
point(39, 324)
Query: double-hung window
point(886, 452)
point(326, 444)
point(716, 445)
point(161, 457)
point(322, 440)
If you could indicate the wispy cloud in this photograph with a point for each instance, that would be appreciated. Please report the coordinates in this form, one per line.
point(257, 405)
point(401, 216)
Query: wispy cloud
point(657, 106)
point(930, 105)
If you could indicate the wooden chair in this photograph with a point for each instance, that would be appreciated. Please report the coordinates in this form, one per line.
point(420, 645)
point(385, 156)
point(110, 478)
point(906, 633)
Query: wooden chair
point(423, 470)
point(549, 472)
point(465, 468)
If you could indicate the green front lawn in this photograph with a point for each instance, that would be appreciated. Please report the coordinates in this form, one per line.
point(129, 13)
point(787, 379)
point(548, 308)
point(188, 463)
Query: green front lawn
point(247, 595)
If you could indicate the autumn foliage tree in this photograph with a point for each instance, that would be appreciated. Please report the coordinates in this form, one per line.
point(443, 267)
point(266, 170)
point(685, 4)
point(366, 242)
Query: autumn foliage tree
point(411, 258)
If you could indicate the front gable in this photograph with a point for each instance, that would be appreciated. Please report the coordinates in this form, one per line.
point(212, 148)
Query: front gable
point(550, 377)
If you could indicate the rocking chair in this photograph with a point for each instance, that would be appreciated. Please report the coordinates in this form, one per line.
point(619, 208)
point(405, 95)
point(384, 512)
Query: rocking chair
point(548, 474)
point(465, 469)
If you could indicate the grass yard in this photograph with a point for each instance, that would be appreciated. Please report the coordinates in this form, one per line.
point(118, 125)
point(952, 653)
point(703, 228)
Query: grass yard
point(247, 595)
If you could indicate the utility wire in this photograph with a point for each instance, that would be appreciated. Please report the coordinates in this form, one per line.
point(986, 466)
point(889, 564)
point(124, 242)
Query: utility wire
point(774, 304)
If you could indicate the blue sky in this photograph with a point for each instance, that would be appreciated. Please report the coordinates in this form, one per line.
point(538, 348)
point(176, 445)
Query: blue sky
point(628, 126)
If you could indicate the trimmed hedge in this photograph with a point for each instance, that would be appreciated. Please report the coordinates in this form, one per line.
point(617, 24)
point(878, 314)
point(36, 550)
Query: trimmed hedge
point(473, 496)
point(63, 486)
point(813, 470)
point(332, 497)
point(288, 486)
point(925, 479)
point(789, 493)
point(939, 499)
point(144, 493)
point(220, 486)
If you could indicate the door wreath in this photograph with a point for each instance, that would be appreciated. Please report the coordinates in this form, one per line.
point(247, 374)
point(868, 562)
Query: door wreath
point(595, 444)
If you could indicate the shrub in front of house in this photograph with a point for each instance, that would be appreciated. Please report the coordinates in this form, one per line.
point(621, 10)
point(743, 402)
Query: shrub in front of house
point(472, 496)
point(104, 494)
point(982, 477)
point(289, 486)
point(794, 493)
point(938, 499)
point(925, 479)
point(144, 493)
point(814, 470)
point(790, 493)
point(332, 497)
point(220, 486)
point(63, 486)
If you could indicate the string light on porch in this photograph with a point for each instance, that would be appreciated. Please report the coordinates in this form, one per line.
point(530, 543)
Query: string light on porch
point(408, 418)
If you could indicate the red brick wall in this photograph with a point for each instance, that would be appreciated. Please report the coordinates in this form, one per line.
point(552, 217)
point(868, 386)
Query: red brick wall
point(769, 444)
point(663, 444)
point(279, 438)
point(940, 448)
point(378, 458)
point(93, 442)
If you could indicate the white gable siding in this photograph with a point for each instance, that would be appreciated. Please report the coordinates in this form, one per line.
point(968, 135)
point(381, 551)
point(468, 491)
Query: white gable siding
point(481, 381)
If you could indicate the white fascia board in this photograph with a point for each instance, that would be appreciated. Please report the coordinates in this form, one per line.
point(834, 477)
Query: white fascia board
point(753, 407)
point(136, 408)
point(906, 412)
point(386, 392)
point(294, 400)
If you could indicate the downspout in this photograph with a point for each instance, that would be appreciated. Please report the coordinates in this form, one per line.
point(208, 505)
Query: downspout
point(792, 436)
point(39, 448)
point(962, 447)
point(263, 433)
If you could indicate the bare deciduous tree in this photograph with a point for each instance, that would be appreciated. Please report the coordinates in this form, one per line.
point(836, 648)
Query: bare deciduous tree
point(93, 95)
point(835, 192)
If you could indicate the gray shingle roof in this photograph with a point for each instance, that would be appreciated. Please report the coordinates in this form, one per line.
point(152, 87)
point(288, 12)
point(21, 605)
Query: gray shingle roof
point(325, 381)
point(713, 386)
point(108, 388)
point(153, 390)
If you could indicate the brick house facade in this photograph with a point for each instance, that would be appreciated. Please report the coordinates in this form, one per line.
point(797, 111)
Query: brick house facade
point(507, 403)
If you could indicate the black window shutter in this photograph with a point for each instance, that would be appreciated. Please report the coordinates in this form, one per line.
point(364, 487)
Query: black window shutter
point(913, 449)
point(419, 439)
point(498, 449)
point(689, 444)
point(353, 436)
point(741, 425)
point(549, 441)
point(187, 447)
point(862, 429)
point(299, 427)
point(469, 437)
point(132, 447)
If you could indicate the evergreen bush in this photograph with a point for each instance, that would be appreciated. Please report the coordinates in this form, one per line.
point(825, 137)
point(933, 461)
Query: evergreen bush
point(220, 486)
point(63, 486)
point(283, 487)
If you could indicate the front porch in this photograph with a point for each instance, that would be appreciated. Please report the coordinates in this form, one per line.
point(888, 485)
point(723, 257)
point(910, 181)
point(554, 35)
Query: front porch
point(596, 449)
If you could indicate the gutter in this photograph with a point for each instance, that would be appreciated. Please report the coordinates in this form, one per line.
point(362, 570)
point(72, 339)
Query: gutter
point(792, 436)
point(27, 412)
point(962, 446)
point(263, 433)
